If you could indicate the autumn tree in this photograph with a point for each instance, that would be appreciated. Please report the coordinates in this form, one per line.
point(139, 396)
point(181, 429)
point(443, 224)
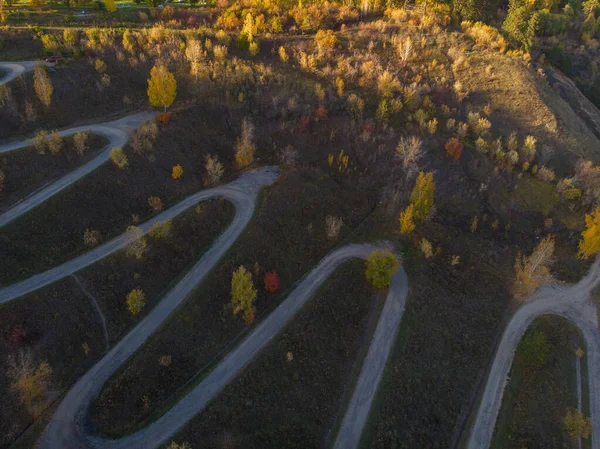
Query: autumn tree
point(422, 196)
point(410, 151)
point(243, 294)
point(271, 281)
point(119, 158)
point(407, 225)
point(79, 143)
point(244, 147)
point(137, 242)
point(177, 171)
point(136, 300)
point(533, 271)
point(111, 6)
point(381, 266)
point(576, 424)
point(30, 380)
point(590, 242)
point(194, 53)
point(454, 148)
point(214, 170)
point(42, 84)
point(162, 87)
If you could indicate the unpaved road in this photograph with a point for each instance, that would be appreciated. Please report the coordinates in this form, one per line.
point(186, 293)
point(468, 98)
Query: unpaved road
point(117, 132)
point(374, 363)
point(573, 303)
point(67, 427)
point(15, 69)
point(240, 192)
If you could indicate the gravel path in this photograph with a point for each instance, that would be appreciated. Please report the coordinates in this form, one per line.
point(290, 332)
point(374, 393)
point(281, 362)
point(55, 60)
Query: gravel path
point(67, 428)
point(117, 132)
point(573, 303)
point(14, 69)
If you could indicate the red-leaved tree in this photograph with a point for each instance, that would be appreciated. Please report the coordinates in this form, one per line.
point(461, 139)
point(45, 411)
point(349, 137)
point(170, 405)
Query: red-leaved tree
point(271, 281)
point(454, 148)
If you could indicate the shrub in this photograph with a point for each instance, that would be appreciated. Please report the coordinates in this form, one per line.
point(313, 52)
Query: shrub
point(485, 35)
point(534, 350)
point(325, 40)
point(137, 242)
point(91, 237)
point(135, 301)
point(142, 140)
point(271, 281)
point(283, 54)
point(177, 171)
point(545, 174)
point(426, 248)
point(119, 158)
point(381, 266)
point(155, 203)
point(454, 148)
point(214, 170)
point(160, 230)
point(333, 225)
point(163, 117)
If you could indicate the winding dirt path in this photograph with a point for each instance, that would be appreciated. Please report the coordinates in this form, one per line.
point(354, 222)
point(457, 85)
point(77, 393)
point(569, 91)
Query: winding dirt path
point(117, 132)
point(241, 193)
point(15, 69)
point(67, 427)
point(573, 303)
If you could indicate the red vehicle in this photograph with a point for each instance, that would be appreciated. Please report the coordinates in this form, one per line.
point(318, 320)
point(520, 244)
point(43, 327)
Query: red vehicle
point(53, 59)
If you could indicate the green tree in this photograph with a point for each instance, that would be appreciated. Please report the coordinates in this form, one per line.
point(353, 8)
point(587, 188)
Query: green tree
point(422, 196)
point(42, 84)
point(162, 87)
point(243, 294)
point(381, 266)
point(521, 24)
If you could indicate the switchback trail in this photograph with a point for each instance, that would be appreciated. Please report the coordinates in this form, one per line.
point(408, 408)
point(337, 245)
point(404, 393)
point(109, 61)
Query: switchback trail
point(573, 303)
point(117, 132)
point(67, 427)
point(241, 193)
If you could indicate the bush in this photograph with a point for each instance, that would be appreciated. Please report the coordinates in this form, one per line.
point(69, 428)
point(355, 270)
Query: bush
point(91, 238)
point(160, 230)
point(271, 281)
point(155, 203)
point(485, 35)
point(381, 266)
point(163, 117)
point(177, 171)
point(135, 301)
point(118, 157)
point(40, 141)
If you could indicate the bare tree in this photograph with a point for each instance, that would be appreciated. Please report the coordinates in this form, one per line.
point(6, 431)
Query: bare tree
point(410, 151)
point(193, 53)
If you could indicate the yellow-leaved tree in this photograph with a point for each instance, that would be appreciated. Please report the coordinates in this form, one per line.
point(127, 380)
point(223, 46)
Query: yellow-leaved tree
point(162, 87)
point(421, 197)
point(111, 6)
point(381, 266)
point(243, 294)
point(42, 84)
point(244, 147)
point(407, 225)
point(590, 242)
point(533, 271)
